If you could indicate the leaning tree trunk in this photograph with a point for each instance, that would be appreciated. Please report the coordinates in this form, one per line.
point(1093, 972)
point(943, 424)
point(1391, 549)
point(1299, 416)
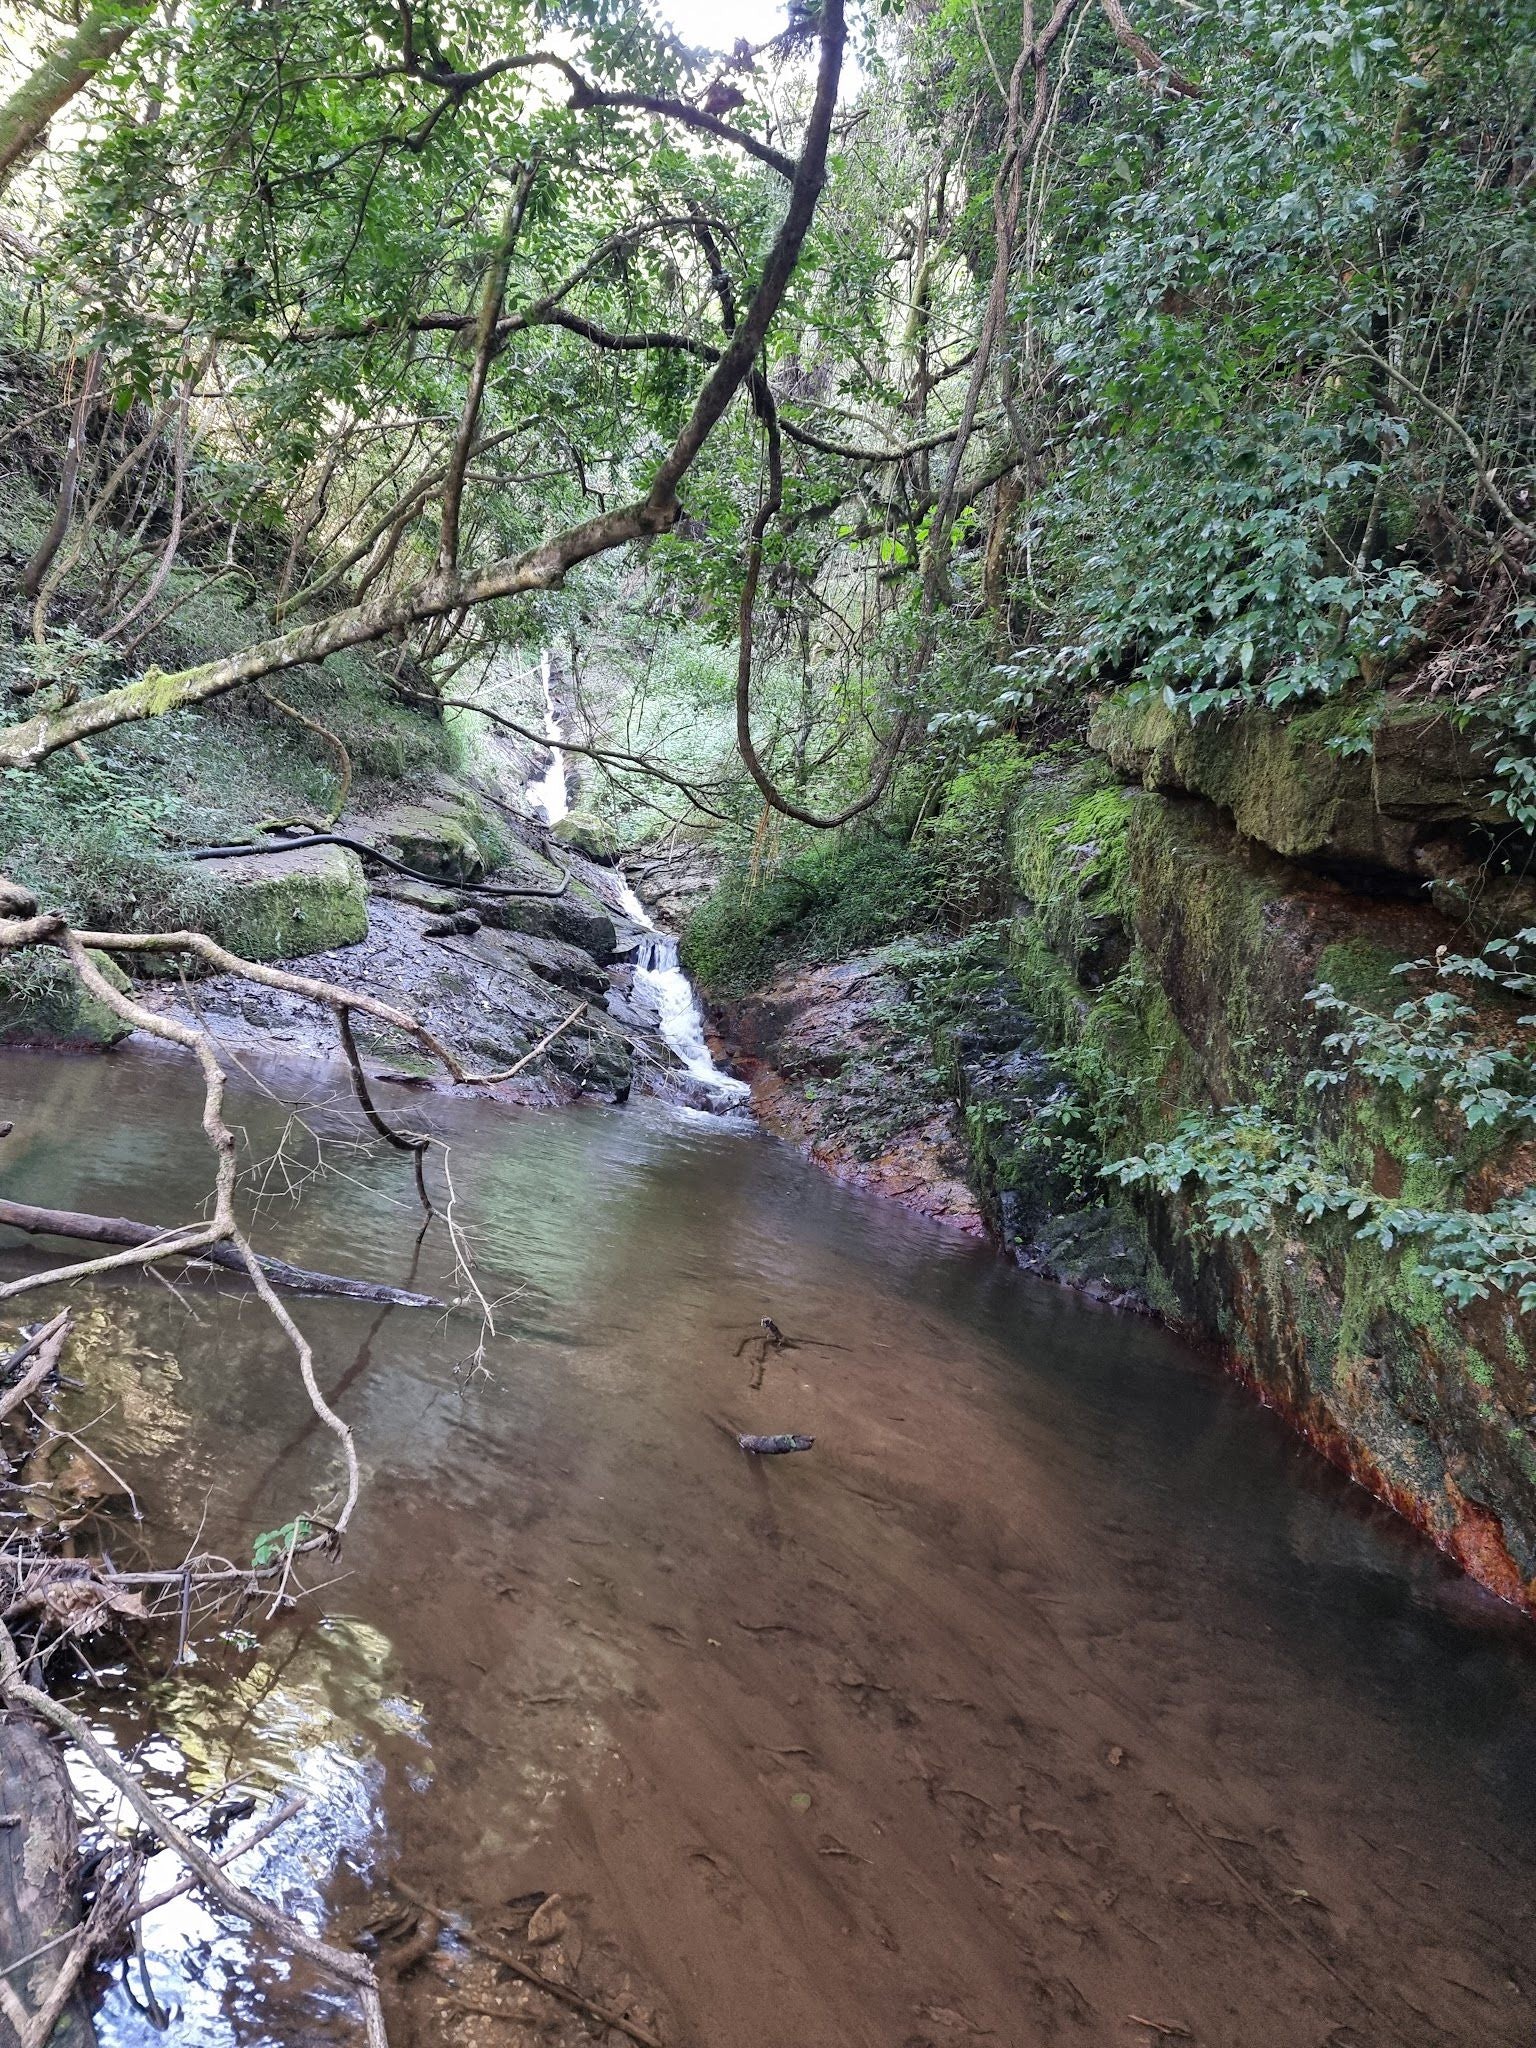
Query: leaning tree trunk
point(65, 70)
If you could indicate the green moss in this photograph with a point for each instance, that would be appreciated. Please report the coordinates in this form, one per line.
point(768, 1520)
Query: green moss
point(589, 835)
point(41, 1003)
point(273, 908)
point(1361, 972)
point(1299, 784)
point(433, 840)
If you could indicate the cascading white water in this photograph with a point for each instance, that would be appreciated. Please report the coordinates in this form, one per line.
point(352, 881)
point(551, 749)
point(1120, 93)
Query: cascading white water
point(548, 794)
point(658, 976)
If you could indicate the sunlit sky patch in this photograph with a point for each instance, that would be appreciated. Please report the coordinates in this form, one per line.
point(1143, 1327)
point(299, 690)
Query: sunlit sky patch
point(715, 24)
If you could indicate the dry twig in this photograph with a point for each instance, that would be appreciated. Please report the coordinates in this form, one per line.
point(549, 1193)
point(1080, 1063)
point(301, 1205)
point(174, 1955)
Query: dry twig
point(563, 1992)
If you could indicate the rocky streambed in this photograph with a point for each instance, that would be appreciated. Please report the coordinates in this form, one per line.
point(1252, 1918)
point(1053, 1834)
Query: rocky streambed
point(507, 943)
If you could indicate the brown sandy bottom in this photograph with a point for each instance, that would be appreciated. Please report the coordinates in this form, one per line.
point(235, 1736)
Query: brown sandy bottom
point(1056, 1696)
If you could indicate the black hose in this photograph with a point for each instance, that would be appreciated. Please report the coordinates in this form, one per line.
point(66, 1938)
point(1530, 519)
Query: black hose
point(387, 860)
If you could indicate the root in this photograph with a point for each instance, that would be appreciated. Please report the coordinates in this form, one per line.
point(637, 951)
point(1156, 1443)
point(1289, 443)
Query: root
point(344, 784)
point(642, 2036)
point(292, 842)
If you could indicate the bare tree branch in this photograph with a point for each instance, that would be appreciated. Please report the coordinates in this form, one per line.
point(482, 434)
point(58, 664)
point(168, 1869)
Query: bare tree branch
point(540, 568)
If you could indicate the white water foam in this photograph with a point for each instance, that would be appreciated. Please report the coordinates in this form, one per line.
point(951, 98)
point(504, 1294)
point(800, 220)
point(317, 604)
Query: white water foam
point(658, 977)
point(548, 793)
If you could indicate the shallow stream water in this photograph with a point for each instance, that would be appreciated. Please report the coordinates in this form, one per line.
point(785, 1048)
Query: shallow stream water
point(1056, 1693)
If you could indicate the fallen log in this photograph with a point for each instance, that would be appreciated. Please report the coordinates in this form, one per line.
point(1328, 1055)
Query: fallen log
point(39, 1896)
point(124, 1230)
point(295, 842)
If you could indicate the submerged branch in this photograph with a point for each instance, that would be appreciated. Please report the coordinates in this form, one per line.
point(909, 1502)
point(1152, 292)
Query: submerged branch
point(342, 1965)
point(124, 1230)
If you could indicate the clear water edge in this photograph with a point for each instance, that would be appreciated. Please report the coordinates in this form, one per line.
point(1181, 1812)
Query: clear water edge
point(1255, 1617)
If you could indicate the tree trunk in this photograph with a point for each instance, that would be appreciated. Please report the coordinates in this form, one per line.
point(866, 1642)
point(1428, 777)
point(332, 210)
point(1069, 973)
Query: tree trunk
point(65, 70)
point(38, 1895)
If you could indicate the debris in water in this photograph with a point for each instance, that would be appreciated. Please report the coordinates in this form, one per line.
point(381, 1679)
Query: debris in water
point(548, 1921)
point(774, 1446)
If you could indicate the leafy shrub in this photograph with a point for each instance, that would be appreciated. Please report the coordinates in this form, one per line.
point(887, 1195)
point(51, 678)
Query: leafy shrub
point(836, 898)
point(1244, 1168)
point(966, 844)
point(83, 836)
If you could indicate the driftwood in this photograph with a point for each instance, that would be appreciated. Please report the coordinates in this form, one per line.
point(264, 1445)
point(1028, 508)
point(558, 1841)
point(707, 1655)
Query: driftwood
point(39, 1905)
point(366, 852)
point(566, 1994)
point(124, 1230)
point(39, 1892)
point(346, 1968)
point(47, 1342)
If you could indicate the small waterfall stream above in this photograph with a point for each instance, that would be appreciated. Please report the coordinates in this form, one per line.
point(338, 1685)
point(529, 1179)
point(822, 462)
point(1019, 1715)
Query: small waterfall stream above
point(547, 793)
point(658, 978)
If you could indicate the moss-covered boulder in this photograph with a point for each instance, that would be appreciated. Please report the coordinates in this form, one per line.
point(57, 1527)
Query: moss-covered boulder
point(589, 836)
point(433, 838)
point(41, 1003)
point(447, 830)
point(273, 906)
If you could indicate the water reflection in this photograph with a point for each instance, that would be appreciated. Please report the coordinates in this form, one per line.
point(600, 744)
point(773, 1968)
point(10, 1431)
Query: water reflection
point(580, 1635)
point(309, 1712)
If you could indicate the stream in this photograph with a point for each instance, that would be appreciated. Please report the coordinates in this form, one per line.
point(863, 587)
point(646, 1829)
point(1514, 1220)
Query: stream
point(1059, 1694)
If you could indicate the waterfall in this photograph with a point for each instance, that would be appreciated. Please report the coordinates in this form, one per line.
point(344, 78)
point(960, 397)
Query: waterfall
point(658, 977)
point(547, 794)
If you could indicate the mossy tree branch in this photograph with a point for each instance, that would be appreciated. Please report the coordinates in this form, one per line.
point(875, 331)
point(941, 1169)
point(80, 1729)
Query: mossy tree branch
point(65, 70)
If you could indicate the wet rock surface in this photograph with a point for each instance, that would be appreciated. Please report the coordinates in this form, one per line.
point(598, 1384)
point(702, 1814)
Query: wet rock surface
point(941, 1116)
point(814, 1026)
point(491, 975)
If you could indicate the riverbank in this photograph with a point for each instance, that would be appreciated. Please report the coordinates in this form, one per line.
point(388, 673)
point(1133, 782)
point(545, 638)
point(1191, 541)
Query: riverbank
point(507, 944)
point(1133, 1078)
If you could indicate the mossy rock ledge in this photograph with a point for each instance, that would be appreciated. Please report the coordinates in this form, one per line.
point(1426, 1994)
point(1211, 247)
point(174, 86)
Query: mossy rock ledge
point(1220, 941)
point(1352, 783)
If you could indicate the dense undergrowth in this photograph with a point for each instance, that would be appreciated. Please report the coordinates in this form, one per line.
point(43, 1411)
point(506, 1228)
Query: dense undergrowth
point(834, 898)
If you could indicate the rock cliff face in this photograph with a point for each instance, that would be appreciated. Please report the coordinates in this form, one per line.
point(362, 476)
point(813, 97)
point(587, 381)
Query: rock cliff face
point(1178, 892)
point(1179, 896)
point(836, 1069)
